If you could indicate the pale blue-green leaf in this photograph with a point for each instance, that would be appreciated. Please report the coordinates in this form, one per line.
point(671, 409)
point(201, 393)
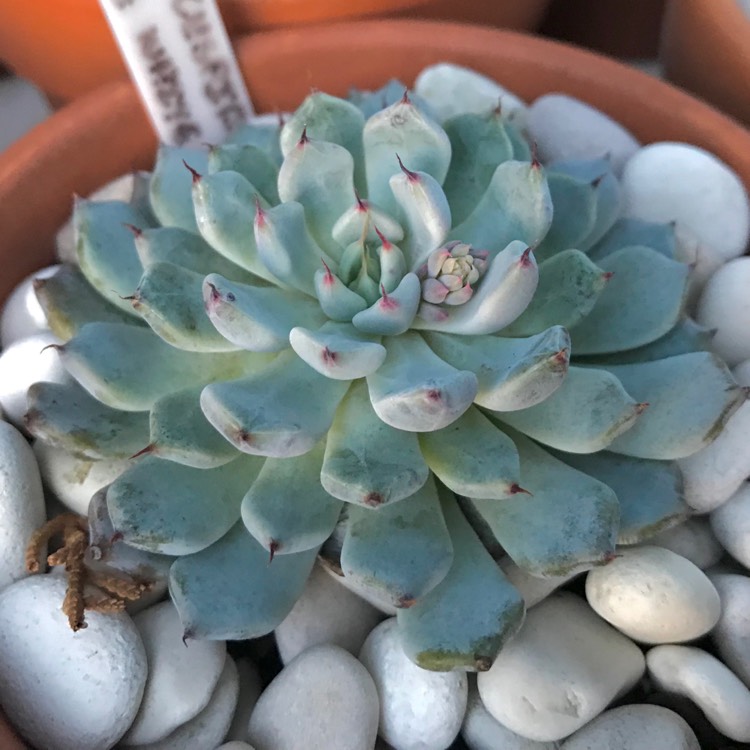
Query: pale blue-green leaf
point(360, 220)
point(585, 414)
point(629, 232)
point(645, 296)
point(165, 507)
point(263, 135)
point(649, 492)
point(436, 632)
point(402, 129)
point(393, 313)
point(170, 299)
point(336, 300)
point(512, 373)
point(472, 457)
point(502, 294)
point(256, 318)
point(180, 432)
point(399, 551)
point(66, 416)
point(252, 162)
point(338, 350)
point(287, 248)
point(280, 411)
point(228, 591)
point(140, 198)
point(392, 265)
point(105, 248)
point(414, 390)
point(690, 398)
point(366, 461)
point(130, 367)
point(569, 285)
point(516, 206)
point(370, 102)
point(171, 186)
point(569, 521)
point(286, 509)
point(69, 302)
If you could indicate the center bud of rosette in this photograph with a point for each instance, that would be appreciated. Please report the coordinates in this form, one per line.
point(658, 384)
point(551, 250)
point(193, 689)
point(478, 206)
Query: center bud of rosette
point(451, 272)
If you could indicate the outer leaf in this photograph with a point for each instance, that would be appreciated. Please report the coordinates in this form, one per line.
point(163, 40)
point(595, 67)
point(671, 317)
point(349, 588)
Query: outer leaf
point(401, 550)
point(569, 522)
point(337, 301)
point(264, 133)
point(165, 507)
point(252, 162)
point(228, 591)
point(393, 313)
point(367, 461)
point(286, 509)
point(646, 296)
point(436, 633)
point(281, 411)
point(472, 457)
point(512, 373)
point(583, 415)
point(690, 398)
point(630, 232)
point(170, 187)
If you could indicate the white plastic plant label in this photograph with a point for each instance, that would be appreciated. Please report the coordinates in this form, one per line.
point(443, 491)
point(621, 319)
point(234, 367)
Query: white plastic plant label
point(181, 60)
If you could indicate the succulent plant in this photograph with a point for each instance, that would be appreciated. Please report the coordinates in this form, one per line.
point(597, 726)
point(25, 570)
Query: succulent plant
point(349, 336)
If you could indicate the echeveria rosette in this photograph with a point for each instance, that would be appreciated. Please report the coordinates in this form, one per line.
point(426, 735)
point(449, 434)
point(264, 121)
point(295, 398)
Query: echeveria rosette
point(359, 330)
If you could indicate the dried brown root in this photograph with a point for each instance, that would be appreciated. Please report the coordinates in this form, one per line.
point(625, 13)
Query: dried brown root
point(104, 604)
point(41, 537)
point(73, 607)
point(124, 588)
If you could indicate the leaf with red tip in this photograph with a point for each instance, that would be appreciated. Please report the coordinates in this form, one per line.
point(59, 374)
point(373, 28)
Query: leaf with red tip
point(363, 219)
point(171, 186)
point(252, 162)
point(393, 313)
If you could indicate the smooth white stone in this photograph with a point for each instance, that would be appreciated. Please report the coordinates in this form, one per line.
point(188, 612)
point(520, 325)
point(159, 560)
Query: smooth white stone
point(22, 508)
point(322, 700)
point(712, 475)
point(719, 693)
point(480, 731)
point(369, 596)
point(66, 690)
point(326, 612)
point(74, 480)
point(732, 633)
point(533, 589)
point(180, 680)
point(731, 525)
point(419, 709)
point(452, 90)
point(250, 689)
point(703, 259)
point(668, 181)
point(560, 671)
point(567, 129)
point(209, 727)
point(235, 745)
point(724, 305)
point(120, 189)
point(635, 727)
point(654, 596)
point(693, 540)
point(22, 364)
point(22, 315)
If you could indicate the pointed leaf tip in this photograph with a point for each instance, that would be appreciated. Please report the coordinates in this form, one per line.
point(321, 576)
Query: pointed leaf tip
point(194, 172)
point(137, 231)
point(273, 548)
point(303, 139)
point(525, 260)
point(411, 176)
point(260, 214)
point(384, 241)
point(535, 163)
point(516, 489)
point(150, 448)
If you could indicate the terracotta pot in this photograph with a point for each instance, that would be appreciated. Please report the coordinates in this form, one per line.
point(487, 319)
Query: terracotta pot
point(520, 15)
point(8, 738)
point(621, 28)
point(706, 49)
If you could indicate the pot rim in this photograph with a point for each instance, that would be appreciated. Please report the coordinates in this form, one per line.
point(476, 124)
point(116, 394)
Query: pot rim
point(45, 168)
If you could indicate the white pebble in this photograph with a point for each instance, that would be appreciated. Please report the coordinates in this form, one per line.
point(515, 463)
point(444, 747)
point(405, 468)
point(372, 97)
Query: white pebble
point(66, 690)
point(731, 524)
point(180, 680)
point(567, 129)
point(206, 730)
point(713, 474)
point(326, 612)
point(533, 589)
point(654, 596)
point(732, 633)
point(235, 745)
point(22, 364)
point(452, 90)
point(666, 182)
point(693, 540)
point(635, 727)
point(480, 731)
point(707, 682)
point(703, 259)
point(419, 709)
point(74, 480)
point(560, 671)
point(21, 503)
point(250, 689)
point(22, 315)
point(322, 700)
point(725, 306)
